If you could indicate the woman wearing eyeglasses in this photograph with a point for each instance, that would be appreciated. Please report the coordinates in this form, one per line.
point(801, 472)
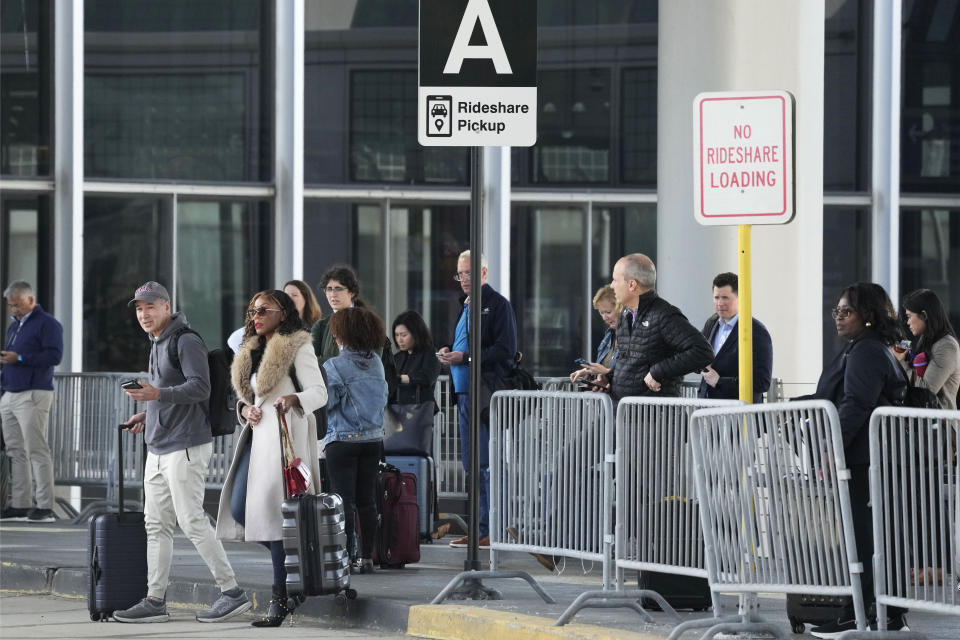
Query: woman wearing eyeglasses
point(934, 362)
point(862, 377)
point(275, 344)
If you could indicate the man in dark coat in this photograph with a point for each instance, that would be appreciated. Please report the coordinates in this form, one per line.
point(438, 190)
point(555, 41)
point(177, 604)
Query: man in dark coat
point(656, 344)
point(721, 379)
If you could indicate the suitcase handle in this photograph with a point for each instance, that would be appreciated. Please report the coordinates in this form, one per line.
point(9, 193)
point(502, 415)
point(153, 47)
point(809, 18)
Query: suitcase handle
point(120, 431)
point(95, 570)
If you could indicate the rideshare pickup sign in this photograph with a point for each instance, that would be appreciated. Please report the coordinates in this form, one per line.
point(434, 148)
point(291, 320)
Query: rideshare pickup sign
point(478, 73)
point(743, 157)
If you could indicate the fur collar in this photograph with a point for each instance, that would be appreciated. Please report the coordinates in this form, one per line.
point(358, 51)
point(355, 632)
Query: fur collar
point(280, 353)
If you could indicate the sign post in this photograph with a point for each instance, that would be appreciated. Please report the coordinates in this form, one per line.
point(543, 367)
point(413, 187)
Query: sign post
point(743, 175)
point(477, 88)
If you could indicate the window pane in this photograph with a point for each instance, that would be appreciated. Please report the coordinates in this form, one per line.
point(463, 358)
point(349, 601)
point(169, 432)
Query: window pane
point(25, 87)
point(573, 127)
point(340, 233)
point(178, 90)
point(618, 231)
point(557, 13)
point(846, 260)
point(639, 136)
point(383, 134)
point(425, 242)
point(25, 239)
point(223, 258)
point(846, 114)
point(930, 134)
point(545, 280)
point(125, 243)
point(930, 255)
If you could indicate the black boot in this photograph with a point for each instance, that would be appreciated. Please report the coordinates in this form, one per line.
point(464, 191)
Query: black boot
point(279, 607)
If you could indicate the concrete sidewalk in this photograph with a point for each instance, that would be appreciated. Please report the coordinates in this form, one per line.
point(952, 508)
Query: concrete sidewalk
point(51, 558)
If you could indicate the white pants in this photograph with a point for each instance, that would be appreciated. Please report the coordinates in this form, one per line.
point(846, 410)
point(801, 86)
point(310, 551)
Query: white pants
point(173, 486)
point(24, 416)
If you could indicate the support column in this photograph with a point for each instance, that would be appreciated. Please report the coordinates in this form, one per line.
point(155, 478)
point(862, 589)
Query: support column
point(68, 177)
point(288, 146)
point(496, 241)
point(885, 169)
point(729, 46)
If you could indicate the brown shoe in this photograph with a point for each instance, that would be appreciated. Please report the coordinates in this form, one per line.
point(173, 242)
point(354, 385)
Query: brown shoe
point(484, 543)
point(460, 543)
point(547, 561)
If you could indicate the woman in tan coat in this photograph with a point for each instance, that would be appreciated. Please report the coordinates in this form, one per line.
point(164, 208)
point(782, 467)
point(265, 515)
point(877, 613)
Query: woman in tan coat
point(275, 344)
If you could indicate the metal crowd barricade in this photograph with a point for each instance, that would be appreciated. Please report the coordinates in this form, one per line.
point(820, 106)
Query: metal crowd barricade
point(557, 384)
point(914, 475)
point(658, 526)
point(774, 507)
point(551, 479)
point(84, 420)
point(451, 480)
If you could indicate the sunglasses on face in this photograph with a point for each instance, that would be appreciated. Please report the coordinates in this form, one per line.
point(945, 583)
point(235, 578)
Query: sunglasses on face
point(841, 313)
point(256, 312)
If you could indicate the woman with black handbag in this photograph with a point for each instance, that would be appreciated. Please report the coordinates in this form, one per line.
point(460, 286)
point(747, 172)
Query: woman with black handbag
point(934, 362)
point(275, 345)
point(413, 405)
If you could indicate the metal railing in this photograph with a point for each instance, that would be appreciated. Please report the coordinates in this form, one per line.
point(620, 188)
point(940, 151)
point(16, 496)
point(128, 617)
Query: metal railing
point(658, 526)
point(551, 476)
point(914, 475)
point(774, 507)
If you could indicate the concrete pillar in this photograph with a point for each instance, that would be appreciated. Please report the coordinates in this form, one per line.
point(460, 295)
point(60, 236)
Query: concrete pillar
point(496, 210)
point(744, 45)
point(68, 176)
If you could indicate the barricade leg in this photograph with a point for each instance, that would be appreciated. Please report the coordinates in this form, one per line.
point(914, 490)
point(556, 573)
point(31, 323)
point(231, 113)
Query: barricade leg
point(465, 577)
point(701, 623)
point(616, 599)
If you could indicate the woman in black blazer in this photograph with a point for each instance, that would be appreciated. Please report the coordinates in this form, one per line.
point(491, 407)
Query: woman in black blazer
point(416, 360)
point(862, 377)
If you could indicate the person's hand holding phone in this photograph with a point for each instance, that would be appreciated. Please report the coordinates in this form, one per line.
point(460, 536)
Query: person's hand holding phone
point(448, 357)
point(710, 376)
point(8, 357)
point(142, 392)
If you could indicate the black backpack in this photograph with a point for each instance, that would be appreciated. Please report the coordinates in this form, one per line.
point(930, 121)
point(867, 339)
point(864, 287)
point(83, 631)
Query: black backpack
point(222, 404)
point(519, 378)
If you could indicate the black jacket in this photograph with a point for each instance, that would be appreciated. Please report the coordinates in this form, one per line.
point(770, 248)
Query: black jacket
point(498, 334)
point(727, 362)
point(661, 342)
point(423, 369)
point(861, 378)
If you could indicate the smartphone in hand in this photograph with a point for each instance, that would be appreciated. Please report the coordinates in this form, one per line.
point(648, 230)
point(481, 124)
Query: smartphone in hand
point(130, 384)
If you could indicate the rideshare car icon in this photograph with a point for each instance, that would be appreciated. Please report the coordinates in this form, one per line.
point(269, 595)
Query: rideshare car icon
point(438, 110)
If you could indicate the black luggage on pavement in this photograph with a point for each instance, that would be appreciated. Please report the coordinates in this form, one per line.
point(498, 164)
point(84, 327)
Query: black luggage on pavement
point(814, 609)
point(315, 542)
point(680, 592)
point(117, 556)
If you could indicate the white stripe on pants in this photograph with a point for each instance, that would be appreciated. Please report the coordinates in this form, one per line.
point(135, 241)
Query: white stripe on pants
point(173, 486)
point(24, 415)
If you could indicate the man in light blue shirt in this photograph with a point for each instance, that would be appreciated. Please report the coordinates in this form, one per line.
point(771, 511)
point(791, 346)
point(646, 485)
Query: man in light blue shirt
point(721, 379)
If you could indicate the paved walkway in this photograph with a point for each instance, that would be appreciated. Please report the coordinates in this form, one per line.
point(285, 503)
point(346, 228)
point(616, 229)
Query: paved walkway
point(51, 559)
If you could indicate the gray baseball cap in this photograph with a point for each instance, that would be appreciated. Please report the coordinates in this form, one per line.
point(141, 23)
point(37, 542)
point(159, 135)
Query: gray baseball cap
point(150, 292)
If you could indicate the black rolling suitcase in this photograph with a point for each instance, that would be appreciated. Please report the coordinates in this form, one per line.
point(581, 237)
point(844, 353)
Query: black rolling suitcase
point(117, 556)
point(315, 543)
point(680, 592)
point(813, 609)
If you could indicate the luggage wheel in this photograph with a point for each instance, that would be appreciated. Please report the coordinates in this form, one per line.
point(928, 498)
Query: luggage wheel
point(350, 593)
point(796, 625)
point(98, 617)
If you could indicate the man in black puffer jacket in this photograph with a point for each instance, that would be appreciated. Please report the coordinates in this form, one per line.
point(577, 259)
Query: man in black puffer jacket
point(656, 344)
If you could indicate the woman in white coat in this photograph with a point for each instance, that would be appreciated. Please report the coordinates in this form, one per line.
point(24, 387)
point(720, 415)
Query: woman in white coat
point(275, 344)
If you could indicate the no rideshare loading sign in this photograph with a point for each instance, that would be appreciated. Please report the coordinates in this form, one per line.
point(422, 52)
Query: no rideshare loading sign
point(478, 73)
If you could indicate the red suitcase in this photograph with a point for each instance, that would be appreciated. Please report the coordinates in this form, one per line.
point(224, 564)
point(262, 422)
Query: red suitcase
point(398, 541)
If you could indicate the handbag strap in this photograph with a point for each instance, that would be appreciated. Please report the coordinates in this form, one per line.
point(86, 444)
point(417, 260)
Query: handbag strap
point(286, 447)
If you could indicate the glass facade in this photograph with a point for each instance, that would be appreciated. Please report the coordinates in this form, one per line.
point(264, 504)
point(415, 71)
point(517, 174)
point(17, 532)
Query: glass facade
point(26, 93)
point(178, 90)
point(179, 108)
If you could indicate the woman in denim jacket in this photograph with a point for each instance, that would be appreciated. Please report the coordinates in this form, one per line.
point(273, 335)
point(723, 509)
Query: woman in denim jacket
point(356, 396)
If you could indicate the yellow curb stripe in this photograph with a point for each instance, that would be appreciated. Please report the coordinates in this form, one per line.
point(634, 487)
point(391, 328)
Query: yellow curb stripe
point(459, 622)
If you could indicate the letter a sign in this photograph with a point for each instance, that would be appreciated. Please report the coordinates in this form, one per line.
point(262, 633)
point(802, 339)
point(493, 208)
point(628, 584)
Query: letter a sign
point(478, 73)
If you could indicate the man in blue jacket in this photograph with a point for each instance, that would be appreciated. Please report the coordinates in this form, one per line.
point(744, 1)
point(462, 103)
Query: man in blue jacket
point(34, 346)
point(721, 379)
point(498, 340)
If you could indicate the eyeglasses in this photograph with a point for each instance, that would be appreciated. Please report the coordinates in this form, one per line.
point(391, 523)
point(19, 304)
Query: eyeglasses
point(259, 311)
point(841, 313)
point(335, 289)
point(461, 276)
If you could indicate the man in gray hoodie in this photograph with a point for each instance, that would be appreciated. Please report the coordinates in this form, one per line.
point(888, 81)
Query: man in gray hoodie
point(179, 446)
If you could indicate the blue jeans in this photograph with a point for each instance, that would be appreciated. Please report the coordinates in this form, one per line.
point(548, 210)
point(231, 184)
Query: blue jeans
point(463, 413)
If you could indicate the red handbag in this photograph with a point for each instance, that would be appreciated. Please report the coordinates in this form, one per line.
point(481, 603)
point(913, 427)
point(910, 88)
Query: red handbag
point(296, 474)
